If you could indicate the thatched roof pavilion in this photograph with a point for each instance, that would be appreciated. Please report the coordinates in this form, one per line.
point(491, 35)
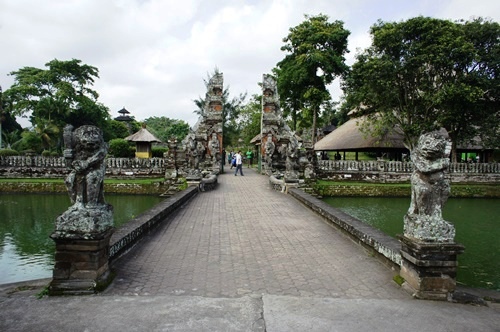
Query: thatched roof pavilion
point(143, 140)
point(348, 137)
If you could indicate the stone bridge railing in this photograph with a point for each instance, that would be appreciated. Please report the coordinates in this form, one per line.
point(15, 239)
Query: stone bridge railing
point(397, 171)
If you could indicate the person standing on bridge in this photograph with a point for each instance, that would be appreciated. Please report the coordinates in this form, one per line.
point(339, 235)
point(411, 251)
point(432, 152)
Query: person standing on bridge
point(239, 164)
point(249, 154)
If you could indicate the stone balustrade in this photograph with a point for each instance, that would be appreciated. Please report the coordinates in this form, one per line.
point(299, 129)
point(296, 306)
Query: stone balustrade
point(370, 170)
point(401, 166)
point(397, 171)
point(54, 167)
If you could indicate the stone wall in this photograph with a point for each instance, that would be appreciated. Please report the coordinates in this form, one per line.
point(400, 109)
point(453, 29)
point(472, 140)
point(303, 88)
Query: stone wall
point(55, 167)
point(343, 170)
point(400, 172)
point(402, 190)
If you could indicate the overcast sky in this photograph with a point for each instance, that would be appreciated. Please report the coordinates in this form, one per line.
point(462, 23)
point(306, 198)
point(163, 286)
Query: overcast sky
point(153, 55)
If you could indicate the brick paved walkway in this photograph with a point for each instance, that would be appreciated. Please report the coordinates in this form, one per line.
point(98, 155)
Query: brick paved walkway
point(244, 238)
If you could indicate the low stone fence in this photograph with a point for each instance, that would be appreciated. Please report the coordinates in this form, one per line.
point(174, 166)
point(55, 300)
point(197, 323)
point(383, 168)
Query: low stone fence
point(342, 170)
point(397, 171)
point(55, 167)
point(132, 232)
point(387, 247)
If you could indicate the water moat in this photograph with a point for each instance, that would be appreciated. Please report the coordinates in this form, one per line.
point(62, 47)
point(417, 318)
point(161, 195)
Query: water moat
point(26, 251)
point(476, 222)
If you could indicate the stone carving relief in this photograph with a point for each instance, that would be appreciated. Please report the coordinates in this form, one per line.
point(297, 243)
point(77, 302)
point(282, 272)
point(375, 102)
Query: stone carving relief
point(203, 145)
point(430, 190)
point(292, 159)
point(85, 151)
point(214, 148)
point(281, 148)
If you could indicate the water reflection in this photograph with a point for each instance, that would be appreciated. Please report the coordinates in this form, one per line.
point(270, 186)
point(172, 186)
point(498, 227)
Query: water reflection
point(26, 251)
point(476, 222)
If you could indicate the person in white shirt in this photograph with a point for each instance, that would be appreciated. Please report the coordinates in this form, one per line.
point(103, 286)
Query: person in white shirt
point(239, 164)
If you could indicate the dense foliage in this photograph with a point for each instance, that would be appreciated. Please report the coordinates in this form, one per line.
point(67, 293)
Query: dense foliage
point(315, 57)
point(426, 73)
point(164, 128)
point(120, 148)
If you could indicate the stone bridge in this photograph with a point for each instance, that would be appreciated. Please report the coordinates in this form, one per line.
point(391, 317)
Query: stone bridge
point(246, 238)
point(245, 257)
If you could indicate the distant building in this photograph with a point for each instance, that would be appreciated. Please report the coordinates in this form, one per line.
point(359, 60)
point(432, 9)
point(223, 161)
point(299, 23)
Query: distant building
point(125, 117)
point(143, 141)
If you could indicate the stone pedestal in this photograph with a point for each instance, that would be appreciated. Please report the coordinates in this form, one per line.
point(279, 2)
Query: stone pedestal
point(429, 268)
point(81, 264)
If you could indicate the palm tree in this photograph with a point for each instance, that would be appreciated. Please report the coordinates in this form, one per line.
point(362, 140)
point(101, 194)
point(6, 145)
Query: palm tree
point(48, 132)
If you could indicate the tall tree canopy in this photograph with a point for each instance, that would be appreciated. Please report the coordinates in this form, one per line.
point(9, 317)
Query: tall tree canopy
point(58, 95)
point(316, 50)
point(164, 128)
point(426, 73)
point(250, 119)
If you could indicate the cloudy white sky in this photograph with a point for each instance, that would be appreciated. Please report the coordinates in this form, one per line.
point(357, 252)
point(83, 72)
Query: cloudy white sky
point(153, 55)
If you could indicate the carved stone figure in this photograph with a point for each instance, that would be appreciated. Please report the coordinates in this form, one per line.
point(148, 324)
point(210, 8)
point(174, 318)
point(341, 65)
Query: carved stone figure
point(190, 145)
point(279, 156)
point(85, 152)
point(86, 179)
point(430, 190)
point(214, 147)
point(292, 157)
point(200, 154)
point(270, 147)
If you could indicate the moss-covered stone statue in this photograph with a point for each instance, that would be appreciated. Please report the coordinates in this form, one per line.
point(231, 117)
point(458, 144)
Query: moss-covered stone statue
point(85, 151)
point(430, 190)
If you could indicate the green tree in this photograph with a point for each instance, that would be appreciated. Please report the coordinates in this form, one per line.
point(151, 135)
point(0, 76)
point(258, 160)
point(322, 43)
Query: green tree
point(30, 141)
point(426, 73)
point(118, 129)
point(59, 95)
point(9, 138)
point(120, 148)
point(48, 134)
point(250, 119)
point(316, 50)
point(164, 128)
point(9, 128)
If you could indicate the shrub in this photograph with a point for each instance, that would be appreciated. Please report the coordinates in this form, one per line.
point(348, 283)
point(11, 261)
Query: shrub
point(28, 152)
point(120, 148)
point(45, 153)
point(158, 152)
point(8, 152)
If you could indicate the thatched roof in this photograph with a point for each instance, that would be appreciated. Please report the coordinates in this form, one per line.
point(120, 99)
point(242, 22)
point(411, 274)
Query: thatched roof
point(348, 137)
point(256, 139)
point(142, 135)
